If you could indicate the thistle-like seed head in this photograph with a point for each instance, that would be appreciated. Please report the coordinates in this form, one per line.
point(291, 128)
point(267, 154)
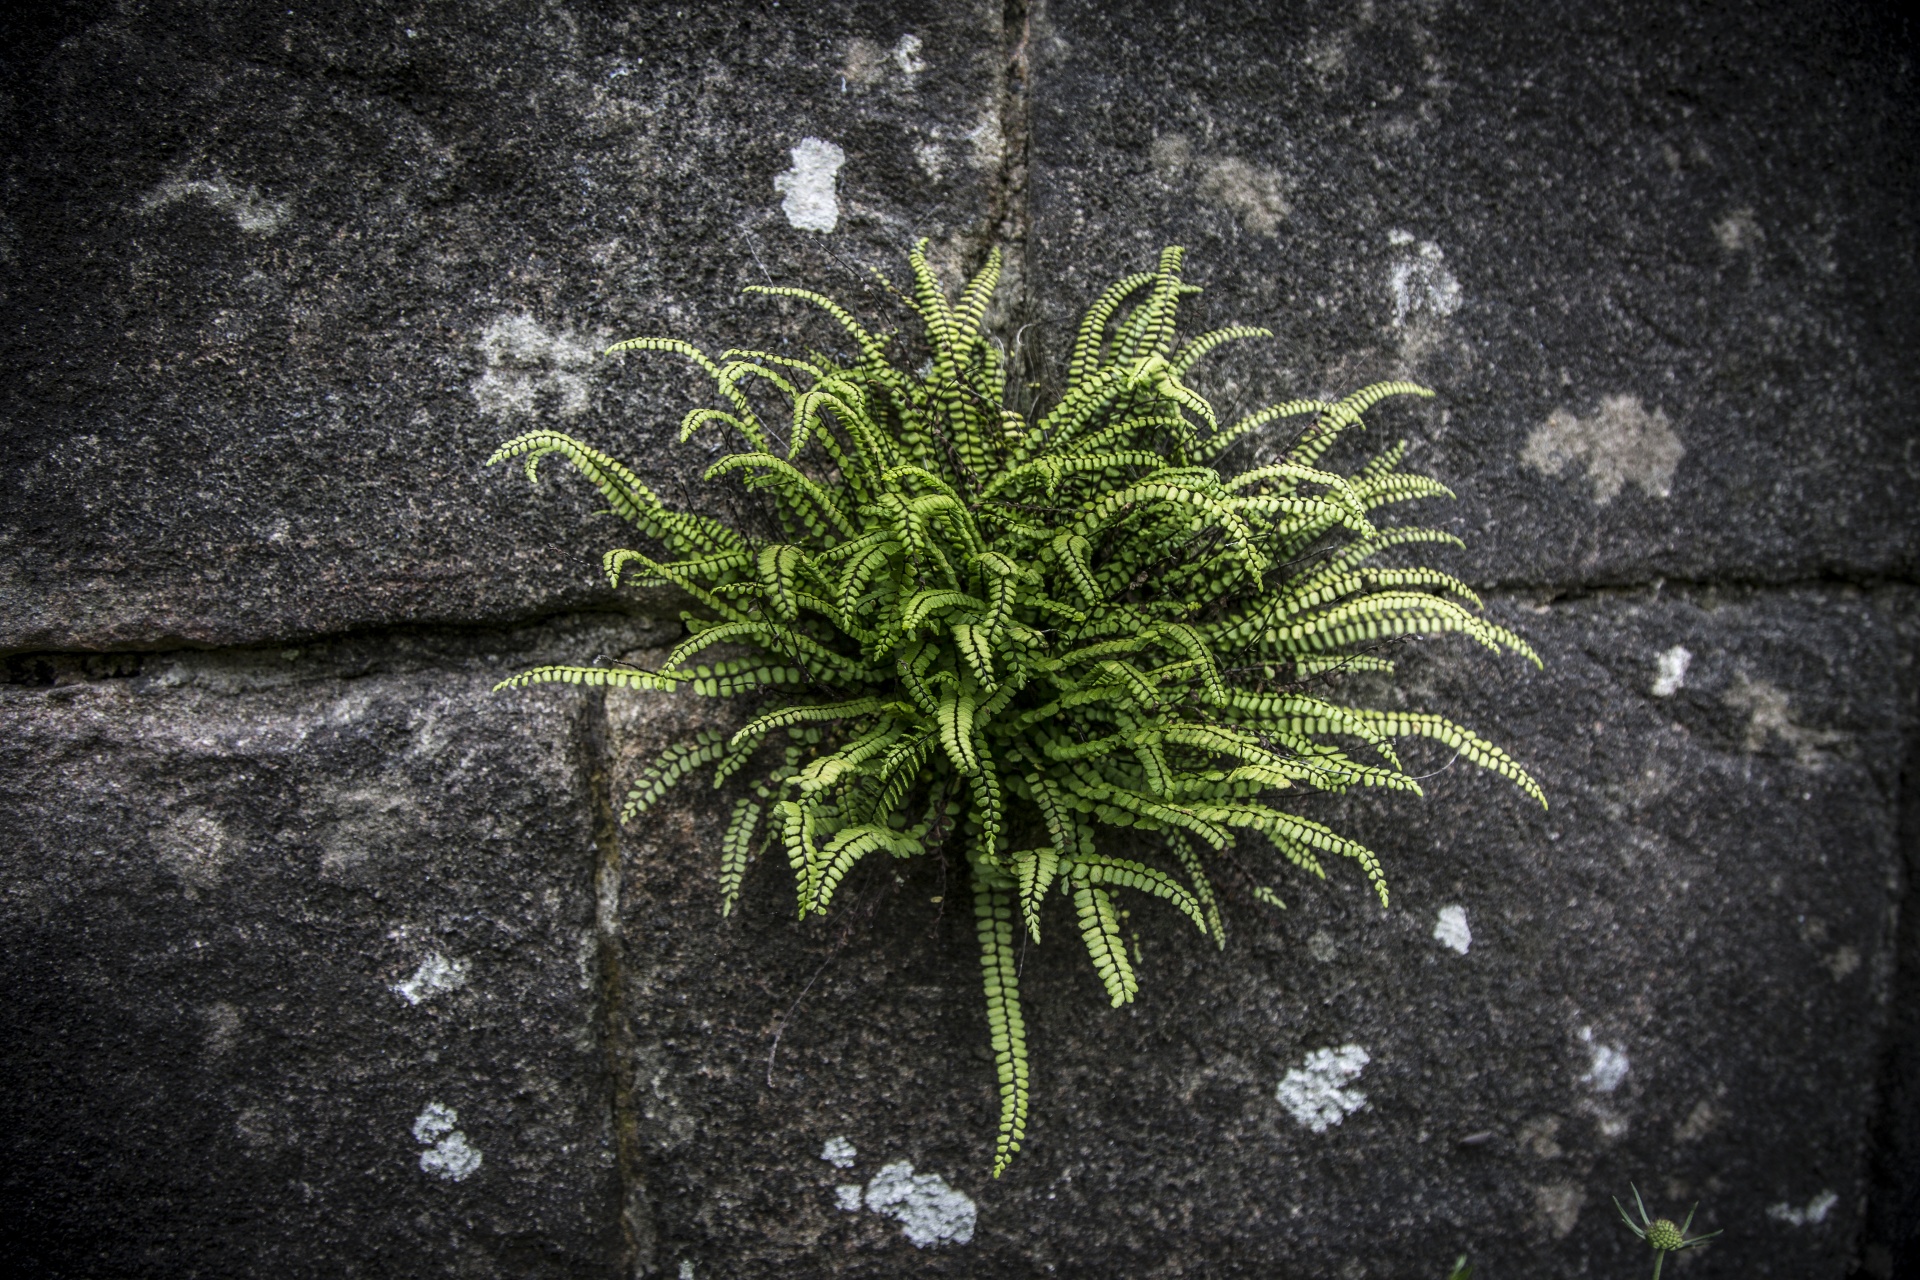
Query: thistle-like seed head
point(1664, 1236)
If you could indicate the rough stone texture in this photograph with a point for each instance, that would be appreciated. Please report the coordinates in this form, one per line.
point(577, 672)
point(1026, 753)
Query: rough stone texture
point(1658, 262)
point(216, 874)
point(1707, 898)
point(274, 286)
point(277, 282)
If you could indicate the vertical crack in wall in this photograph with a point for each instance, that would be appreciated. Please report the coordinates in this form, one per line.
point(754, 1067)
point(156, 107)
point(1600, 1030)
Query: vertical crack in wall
point(636, 1211)
point(1891, 1238)
point(1007, 220)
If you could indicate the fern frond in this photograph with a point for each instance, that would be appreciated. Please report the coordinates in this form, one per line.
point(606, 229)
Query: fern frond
point(592, 677)
point(966, 624)
point(1006, 1027)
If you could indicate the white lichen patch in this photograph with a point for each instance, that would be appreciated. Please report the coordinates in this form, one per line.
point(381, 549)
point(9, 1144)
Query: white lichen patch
point(451, 1156)
point(686, 1269)
point(1451, 931)
point(1812, 1216)
point(928, 1210)
point(1621, 443)
point(1419, 281)
point(811, 202)
point(1769, 717)
point(839, 1153)
point(251, 212)
point(848, 1197)
point(1607, 1066)
point(435, 975)
point(1314, 1092)
point(1671, 673)
point(529, 366)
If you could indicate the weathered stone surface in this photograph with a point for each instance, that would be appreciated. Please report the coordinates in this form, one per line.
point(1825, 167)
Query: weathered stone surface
point(1677, 977)
point(287, 942)
point(277, 282)
point(1657, 263)
point(274, 286)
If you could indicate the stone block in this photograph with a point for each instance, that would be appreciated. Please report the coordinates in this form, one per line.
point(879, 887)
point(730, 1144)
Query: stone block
point(302, 974)
point(281, 281)
point(1676, 977)
point(1654, 262)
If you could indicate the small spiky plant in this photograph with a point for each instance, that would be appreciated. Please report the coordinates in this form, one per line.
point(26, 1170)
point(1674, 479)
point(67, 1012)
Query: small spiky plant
point(1015, 632)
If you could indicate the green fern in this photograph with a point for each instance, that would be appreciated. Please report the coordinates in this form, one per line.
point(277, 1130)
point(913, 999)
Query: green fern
point(1009, 632)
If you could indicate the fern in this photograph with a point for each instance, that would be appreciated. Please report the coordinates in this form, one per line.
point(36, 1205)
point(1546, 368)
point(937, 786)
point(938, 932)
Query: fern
point(971, 626)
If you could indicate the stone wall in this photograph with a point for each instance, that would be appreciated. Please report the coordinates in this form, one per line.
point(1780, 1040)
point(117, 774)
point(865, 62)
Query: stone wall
point(321, 959)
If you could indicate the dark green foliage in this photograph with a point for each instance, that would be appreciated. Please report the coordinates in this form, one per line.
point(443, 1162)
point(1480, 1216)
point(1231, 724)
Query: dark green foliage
point(1011, 633)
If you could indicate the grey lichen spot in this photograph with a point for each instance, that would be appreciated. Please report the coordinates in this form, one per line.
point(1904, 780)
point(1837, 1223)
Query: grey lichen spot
point(1419, 281)
point(251, 212)
point(869, 63)
point(1541, 1136)
point(1621, 443)
point(686, 1269)
point(1769, 717)
point(932, 158)
point(928, 1210)
point(435, 975)
point(811, 203)
point(529, 366)
point(1557, 1207)
point(1254, 195)
point(847, 1196)
point(906, 56)
point(1314, 1092)
point(1738, 231)
point(1322, 947)
point(839, 1153)
point(1671, 673)
point(1608, 1066)
point(450, 1157)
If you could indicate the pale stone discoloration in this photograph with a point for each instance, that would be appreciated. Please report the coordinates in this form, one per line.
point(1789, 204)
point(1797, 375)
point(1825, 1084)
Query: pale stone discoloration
point(531, 368)
point(1621, 443)
point(1770, 719)
point(252, 212)
point(1419, 281)
point(1255, 195)
point(436, 975)
point(1557, 1206)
